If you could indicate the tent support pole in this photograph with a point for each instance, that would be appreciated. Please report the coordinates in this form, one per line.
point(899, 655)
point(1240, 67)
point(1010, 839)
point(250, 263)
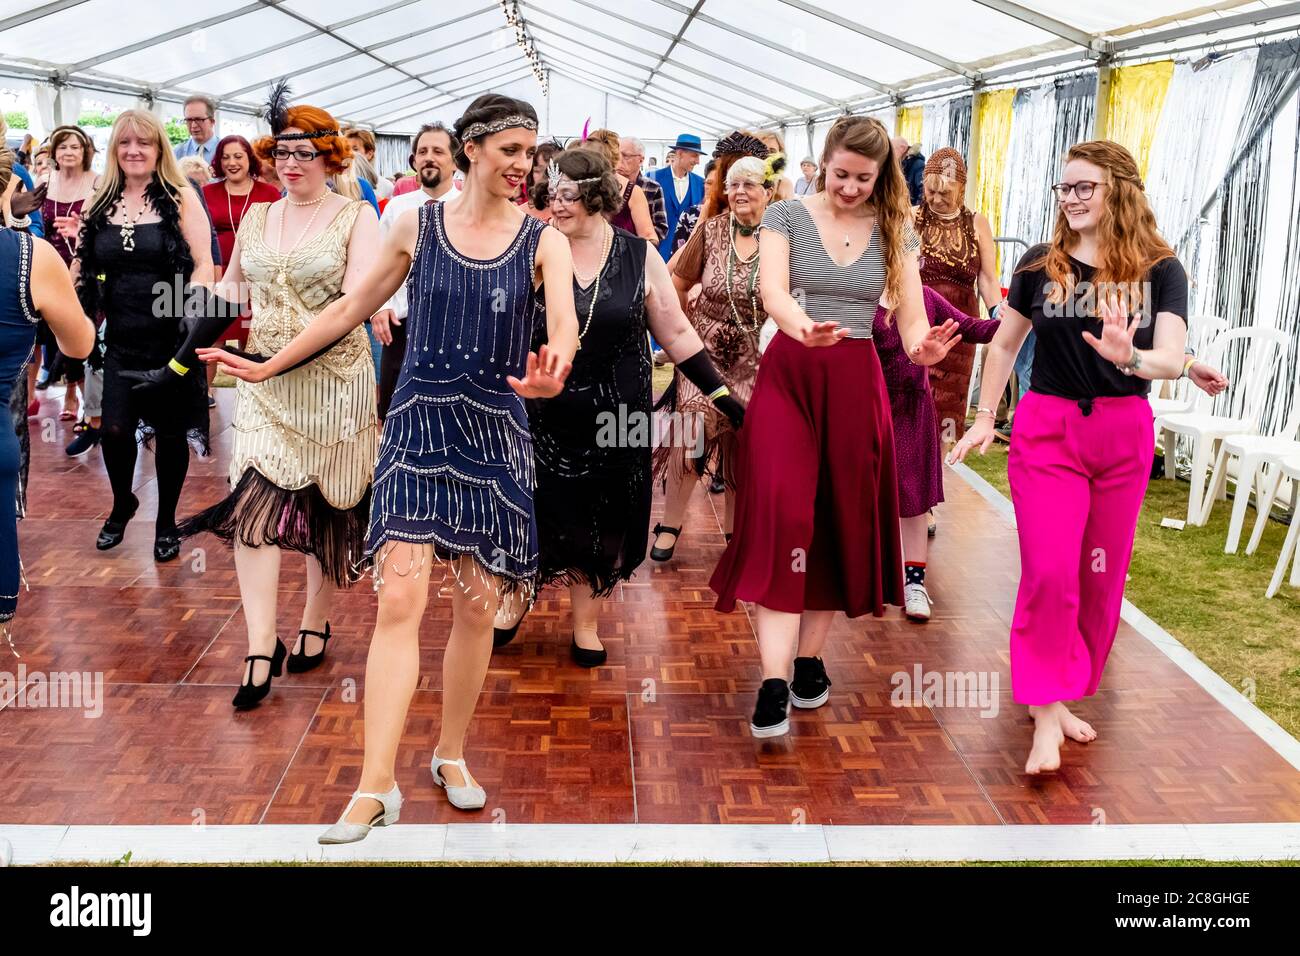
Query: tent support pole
point(1101, 113)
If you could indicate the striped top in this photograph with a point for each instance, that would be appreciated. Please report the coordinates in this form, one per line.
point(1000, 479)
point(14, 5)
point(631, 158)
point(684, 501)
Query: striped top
point(824, 289)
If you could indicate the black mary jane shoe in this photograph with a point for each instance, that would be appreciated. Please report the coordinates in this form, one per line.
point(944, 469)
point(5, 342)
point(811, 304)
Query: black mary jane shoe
point(166, 547)
point(250, 694)
point(300, 661)
point(111, 535)
point(585, 657)
point(665, 554)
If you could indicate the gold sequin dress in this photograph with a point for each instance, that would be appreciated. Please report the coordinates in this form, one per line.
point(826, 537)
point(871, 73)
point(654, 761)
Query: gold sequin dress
point(305, 441)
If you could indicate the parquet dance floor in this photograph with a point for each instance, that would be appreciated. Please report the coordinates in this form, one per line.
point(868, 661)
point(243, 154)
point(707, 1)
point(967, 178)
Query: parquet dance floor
point(660, 735)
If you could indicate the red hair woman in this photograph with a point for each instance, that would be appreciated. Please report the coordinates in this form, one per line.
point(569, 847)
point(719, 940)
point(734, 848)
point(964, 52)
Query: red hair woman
point(1107, 301)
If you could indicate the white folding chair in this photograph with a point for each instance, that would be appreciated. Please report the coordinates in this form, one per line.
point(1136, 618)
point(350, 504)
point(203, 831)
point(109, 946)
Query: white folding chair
point(1202, 330)
point(1288, 468)
point(1207, 430)
point(1256, 456)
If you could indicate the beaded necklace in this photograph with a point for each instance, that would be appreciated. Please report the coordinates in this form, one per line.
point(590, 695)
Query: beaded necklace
point(606, 244)
point(732, 258)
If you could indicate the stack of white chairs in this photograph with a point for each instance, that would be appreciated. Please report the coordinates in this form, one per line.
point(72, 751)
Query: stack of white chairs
point(1206, 430)
point(1289, 469)
point(1258, 459)
point(1201, 334)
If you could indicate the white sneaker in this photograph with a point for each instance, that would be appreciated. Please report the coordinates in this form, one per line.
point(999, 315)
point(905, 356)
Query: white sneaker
point(916, 602)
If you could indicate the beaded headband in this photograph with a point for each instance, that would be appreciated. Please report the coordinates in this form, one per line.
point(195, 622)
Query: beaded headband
point(554, 174)
point(316, 135)
point(475, 130)
point(742, 143)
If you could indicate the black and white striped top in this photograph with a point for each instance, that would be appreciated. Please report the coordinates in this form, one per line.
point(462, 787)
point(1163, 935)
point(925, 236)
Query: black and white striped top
point(825, 290)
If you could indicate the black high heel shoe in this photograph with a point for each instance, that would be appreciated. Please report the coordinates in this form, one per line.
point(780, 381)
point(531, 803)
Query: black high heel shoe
point(501, 636)
point(250, 694)
point(111, 535)
point(585, 657)
point(665, 554)
point(300, 661)
point(166, 547)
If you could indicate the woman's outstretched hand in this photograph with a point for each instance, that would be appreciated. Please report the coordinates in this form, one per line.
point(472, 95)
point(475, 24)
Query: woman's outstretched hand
point(938, 342)
point(1117, 331)
point(544, 377)
point(820, 334)
point(237, 366)
point(980, 435)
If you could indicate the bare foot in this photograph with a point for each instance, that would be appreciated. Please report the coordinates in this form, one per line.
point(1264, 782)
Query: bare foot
point(1073, 727)
point(1045, 754)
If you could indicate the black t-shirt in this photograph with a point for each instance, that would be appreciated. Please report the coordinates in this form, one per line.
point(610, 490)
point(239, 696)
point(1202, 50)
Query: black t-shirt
point(1064, 363)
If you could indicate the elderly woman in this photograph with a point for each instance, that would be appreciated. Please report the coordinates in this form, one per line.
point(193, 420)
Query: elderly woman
point(958, 258)
point(722, 257)
point(593, 494)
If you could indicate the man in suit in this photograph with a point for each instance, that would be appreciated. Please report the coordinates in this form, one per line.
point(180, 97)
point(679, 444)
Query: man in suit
point(682, 188)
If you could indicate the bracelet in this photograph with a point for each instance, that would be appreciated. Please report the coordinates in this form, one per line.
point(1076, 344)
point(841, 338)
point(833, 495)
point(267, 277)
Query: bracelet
point(1132, 365)
point(990, 412)
point(720, 392)
point(1191, 360)
point(177, 367)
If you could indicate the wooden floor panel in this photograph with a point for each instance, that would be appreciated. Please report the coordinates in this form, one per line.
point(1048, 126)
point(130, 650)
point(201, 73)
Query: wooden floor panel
point(659, 735)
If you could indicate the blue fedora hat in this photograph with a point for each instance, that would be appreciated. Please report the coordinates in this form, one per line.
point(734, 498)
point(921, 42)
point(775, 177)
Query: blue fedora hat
point(690, 142)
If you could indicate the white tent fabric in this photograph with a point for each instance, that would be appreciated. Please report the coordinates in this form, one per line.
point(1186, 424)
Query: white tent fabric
point(658, 67)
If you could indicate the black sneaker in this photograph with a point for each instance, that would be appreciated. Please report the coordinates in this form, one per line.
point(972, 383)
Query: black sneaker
point(810, 687)
point(772, 712)
point(87, 438)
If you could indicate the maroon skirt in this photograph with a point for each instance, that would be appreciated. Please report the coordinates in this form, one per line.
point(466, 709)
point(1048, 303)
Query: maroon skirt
point(817, 506)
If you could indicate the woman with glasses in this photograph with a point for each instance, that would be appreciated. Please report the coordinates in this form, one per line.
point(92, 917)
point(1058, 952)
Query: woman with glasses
point(721, 257)
point(454, 479)
point(304, 449)
point(591, 443)
point(1107, 299)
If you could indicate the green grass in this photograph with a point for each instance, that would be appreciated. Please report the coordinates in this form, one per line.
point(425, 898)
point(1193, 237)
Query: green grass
point(1212, 602)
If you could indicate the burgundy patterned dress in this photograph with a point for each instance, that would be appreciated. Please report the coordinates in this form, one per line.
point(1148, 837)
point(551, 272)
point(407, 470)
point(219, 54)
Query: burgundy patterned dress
point(917, 431)
point(950, 264)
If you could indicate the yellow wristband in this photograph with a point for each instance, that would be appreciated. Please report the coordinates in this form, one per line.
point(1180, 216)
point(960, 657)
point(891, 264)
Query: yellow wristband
point(719, 392)
point(177, 367)
point(1191, 360)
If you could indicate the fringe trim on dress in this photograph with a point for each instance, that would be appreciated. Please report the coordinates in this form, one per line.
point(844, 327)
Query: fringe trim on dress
point(259, 512)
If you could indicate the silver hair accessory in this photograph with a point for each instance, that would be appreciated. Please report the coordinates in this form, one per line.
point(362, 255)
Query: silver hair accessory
point(475, 130)
point(554, 174)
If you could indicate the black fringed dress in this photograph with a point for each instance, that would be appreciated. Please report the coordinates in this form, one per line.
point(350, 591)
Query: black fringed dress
point(592, 442)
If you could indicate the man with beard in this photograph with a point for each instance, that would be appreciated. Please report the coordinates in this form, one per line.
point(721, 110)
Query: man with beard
point(431, 158)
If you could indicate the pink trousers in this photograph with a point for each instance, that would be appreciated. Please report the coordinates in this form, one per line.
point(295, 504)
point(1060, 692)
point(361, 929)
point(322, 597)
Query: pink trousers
point(1078, 476)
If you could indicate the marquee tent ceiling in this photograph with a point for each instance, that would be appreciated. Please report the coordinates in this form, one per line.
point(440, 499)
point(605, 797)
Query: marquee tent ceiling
point(706, 65)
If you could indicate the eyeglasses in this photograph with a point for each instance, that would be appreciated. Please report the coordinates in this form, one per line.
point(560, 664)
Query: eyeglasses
point(198, 119)
point(565, 197)
point(301, 155)
point(741, 184)
point(1082, 190)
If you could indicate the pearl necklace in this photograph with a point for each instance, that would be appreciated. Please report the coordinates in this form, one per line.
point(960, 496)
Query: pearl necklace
point(318, 202)
point(606, 244)
point(128, 227)
point(732, 258)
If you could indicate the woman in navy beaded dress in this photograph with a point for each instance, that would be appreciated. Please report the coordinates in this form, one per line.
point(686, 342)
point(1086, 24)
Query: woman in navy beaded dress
point(34, 284)
point(454, 480)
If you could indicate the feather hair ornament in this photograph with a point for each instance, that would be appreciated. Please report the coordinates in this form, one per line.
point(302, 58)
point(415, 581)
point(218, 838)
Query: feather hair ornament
point(277, 106)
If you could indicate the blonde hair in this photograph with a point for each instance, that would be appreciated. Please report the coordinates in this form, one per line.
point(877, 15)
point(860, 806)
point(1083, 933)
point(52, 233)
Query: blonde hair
point(167, 171)
point(347, 183)
point(195, 168)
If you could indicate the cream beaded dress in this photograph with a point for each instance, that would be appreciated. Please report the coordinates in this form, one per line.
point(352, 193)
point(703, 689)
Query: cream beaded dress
point(305, 440)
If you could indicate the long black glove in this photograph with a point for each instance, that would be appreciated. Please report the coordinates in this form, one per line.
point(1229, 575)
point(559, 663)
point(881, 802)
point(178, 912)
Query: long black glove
point(207, 316)
point(700, 371)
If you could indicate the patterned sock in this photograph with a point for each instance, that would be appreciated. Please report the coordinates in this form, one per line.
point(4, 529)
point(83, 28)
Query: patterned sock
point(915, 572)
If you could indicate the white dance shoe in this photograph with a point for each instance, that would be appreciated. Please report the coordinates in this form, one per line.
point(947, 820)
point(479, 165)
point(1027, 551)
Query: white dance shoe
point(344, 832)
point(463, 798)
